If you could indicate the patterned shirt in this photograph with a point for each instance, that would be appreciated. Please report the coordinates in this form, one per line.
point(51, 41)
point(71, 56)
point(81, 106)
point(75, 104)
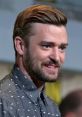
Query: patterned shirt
point(19, 97)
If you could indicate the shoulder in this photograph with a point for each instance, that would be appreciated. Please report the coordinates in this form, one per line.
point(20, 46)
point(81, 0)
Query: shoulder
point(51, 102)
point(6, 85)
point(53, 106)
point(5, 82)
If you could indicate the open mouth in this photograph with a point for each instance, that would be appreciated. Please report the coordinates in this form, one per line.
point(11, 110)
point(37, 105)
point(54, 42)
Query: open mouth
point(51, 68)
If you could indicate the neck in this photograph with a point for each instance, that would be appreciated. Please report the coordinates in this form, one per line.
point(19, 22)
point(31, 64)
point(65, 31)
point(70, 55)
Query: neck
point(37, 82)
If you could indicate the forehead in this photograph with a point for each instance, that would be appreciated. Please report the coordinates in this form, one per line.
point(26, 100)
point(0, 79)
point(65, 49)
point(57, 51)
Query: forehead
point(37, 27)
point(49, 32)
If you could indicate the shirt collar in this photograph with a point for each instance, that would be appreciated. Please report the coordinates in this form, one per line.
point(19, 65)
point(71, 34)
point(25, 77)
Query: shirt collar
point(26, 84)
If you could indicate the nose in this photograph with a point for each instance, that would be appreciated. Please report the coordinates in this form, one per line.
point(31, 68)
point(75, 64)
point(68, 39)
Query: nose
point(55, 54)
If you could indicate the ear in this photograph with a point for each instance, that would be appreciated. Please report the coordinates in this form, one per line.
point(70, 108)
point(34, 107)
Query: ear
point(19, 45)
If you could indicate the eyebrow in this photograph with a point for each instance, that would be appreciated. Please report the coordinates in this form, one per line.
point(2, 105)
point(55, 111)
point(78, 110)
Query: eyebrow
point(65, 44)
point(51, 43)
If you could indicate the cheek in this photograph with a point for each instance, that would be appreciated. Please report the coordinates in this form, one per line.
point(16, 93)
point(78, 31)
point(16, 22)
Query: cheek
point(40, 54)
point(62, 58)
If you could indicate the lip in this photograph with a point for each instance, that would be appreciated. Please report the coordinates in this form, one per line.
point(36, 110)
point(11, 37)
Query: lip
point(51, 69)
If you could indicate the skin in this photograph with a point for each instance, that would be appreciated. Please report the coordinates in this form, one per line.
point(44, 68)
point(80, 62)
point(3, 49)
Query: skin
point(46, 52)
point(75, 113)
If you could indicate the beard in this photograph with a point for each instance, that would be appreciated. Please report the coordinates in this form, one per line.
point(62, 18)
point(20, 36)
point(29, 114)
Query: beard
point(35, 71)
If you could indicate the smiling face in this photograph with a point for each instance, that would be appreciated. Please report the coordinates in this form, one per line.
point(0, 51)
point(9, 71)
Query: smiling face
point(46, 52)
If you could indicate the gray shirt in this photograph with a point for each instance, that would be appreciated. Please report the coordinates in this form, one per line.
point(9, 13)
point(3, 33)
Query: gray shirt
point(19, 97)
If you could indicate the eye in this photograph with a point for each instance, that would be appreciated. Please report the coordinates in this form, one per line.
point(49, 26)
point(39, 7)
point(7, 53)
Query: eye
point(63, 48)
point(46, 45)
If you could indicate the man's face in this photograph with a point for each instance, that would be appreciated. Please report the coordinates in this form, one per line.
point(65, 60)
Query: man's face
point(46, 52)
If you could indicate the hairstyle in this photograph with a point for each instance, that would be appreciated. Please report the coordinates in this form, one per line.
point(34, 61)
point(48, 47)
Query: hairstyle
point(37, 14)
point(71, 102)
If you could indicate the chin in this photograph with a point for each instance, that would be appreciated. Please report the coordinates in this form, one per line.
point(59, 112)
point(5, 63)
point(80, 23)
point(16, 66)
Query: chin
point(50, 78)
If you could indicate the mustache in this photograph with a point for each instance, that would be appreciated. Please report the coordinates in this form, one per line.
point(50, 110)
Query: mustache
point(53, 62)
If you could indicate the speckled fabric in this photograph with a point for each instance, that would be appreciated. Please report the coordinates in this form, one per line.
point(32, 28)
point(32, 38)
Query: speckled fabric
point(19, 97)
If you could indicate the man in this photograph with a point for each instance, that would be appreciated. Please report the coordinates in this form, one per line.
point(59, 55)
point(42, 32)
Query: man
point(71, 105)
point(40, 40)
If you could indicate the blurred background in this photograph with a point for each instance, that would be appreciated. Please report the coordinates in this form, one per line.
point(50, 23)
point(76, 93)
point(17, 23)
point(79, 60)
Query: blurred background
point(71, 75)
